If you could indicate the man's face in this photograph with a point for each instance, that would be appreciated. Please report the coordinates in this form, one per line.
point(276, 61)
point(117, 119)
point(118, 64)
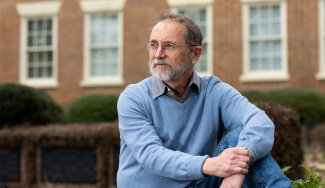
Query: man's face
point(169, 66)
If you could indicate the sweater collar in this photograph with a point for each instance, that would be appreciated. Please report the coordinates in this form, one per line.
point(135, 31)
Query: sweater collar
point(159, 87)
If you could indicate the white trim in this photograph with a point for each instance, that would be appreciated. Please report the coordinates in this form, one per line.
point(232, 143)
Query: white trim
point(183, 3)
point(321, 24)
point(271, 76)
point(264, 76)
point(261, 1)
point(95, 6)
point(36, 9)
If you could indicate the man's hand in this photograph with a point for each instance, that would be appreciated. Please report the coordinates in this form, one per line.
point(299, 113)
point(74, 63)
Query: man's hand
point(231, 161)
point(233, 181)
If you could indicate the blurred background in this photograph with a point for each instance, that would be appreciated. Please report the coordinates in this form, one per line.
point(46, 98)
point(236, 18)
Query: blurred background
point(65, 62)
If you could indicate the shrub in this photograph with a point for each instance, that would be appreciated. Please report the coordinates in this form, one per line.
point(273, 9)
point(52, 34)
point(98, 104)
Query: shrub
point(313, 179)
point(92, 108)
point(25, 105)
point(287, 148)
point(309, 104)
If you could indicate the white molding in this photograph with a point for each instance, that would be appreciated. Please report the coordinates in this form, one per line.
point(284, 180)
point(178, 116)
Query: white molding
point(185, 3)
point(261, 1)
point(92, 6)
point(41, 83)
point(271, 76)
point(264, 76)
point(321, 23)
point(35, 9)
point(98, 82)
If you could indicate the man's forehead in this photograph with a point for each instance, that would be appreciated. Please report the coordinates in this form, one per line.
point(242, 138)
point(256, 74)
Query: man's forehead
point(167, 29)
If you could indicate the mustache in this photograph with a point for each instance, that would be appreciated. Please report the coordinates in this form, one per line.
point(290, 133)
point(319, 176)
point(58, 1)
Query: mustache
point(160, 62)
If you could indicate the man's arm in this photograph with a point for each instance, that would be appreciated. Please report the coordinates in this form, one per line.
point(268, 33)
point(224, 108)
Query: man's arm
point(258, 129)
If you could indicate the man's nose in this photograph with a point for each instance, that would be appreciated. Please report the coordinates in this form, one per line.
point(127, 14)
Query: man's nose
point(160, 53)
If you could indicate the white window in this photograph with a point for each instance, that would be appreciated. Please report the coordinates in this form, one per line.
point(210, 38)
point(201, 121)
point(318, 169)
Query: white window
point(201, 13)
point(38, 43)
point(265, 42)
point(321, 74)
point(102, 42)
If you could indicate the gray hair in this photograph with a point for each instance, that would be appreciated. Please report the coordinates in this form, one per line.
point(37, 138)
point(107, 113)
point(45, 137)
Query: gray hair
point(193, 35)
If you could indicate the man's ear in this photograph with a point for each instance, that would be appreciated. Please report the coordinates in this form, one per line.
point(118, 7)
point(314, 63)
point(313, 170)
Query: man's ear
point(196, 53)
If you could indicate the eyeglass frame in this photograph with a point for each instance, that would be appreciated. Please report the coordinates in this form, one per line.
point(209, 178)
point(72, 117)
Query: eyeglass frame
point(163, 46)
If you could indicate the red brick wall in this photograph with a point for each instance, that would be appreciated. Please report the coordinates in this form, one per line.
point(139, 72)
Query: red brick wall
point(139, 16)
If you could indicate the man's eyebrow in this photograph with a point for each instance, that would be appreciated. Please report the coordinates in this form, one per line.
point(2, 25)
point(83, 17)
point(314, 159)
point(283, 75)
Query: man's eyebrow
point(153, 41)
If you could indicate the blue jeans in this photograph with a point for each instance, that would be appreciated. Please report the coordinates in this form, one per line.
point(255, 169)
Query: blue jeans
point(263, 173)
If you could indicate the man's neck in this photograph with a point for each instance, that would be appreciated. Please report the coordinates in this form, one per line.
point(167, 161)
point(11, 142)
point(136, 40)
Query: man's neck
point(180, 84)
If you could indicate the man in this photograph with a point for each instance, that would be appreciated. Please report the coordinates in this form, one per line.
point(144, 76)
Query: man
point(171, 123)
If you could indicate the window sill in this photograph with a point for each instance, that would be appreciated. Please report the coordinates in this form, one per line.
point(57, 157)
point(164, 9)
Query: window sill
point(264, 77)
point(100, 82)
point(320, 76)
point(41, 83)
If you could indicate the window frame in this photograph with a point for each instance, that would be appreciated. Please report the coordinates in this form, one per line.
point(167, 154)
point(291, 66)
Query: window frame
point(94, 7)
point(207, 5)
point(38, 10)
point(268, 75)
point(321, 23)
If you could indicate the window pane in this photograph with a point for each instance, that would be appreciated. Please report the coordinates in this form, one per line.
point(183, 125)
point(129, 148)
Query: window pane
point(48, 40)
point(254, 47)
point(39, 25)
point(49, 25)
point(265, 47)
point(30, 26)
point(266, 63)
point(254, 64)
point(202, 15)
point(264, 29)
point(253, 30)
point(276, 11)
point(277, 46)
point(253, 13)
point(30, 41)
point(276, 28)
point(265, 13)
point(277, 63)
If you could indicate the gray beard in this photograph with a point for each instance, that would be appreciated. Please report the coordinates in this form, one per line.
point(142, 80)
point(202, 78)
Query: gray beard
point(172, 74)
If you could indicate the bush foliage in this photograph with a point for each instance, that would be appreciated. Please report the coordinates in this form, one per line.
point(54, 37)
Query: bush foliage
point(287, 148)
point(92, 109)
point(28, 106)
point(309, 104)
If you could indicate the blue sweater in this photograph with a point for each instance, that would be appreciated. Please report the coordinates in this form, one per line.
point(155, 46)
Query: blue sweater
point(164, 143)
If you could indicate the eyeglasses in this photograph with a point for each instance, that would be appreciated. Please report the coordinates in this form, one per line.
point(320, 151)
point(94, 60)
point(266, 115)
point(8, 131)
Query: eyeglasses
point(167, 47)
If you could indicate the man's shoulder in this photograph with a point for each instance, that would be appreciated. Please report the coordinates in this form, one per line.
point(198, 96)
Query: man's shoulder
point(144, 86)
point(210, 81)
point(213, 83)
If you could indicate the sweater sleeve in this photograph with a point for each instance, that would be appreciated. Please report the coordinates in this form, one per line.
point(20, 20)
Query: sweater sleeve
point(143, 143)
point(258, 129)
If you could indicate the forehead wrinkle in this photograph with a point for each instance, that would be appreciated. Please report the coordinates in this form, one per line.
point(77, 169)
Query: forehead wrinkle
point(167, 31)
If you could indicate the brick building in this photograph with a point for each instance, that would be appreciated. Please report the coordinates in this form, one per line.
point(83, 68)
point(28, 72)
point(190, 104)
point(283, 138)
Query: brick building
point(71, 48)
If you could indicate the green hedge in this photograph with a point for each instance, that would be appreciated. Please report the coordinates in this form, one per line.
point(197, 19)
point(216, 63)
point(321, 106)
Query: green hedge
point(310, 104)
point(22, 105)
point(92, 109)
